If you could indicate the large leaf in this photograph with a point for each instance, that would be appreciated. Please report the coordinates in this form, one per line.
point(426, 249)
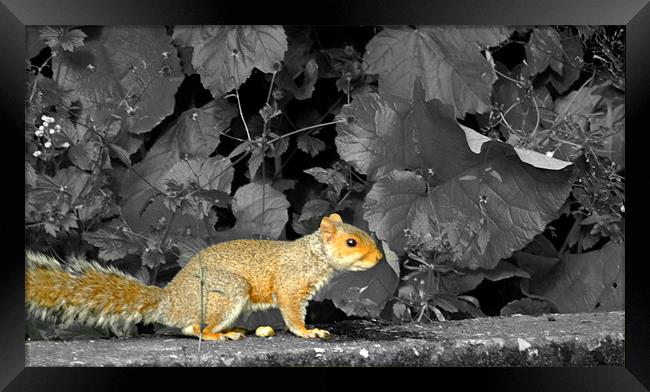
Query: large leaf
point(260, 210)
point(214, 173)
point(378, 135)
point(195, 134)
point(447, 60)
point(361, 294)
point(125, 76)
point(114, 241)
point(498, 200)
point(542, 50)
point(225, 56)
point(592, 281)
point(63, 190)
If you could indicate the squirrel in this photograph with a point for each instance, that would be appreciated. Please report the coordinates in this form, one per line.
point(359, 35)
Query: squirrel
point(212, 290)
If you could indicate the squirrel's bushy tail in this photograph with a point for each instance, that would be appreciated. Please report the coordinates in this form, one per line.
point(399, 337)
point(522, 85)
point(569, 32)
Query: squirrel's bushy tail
point(87, 293)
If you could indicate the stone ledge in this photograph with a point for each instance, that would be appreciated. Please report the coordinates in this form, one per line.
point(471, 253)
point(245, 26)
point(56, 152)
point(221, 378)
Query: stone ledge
point(589, 339)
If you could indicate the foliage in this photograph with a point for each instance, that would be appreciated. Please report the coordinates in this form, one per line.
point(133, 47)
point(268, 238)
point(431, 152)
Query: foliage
point(476, 156)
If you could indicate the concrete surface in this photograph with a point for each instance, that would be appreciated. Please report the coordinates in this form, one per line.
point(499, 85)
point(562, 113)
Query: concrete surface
point(551, 340)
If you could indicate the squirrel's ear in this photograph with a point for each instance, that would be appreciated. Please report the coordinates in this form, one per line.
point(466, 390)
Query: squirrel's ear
point(336, 218)
point(328, 227)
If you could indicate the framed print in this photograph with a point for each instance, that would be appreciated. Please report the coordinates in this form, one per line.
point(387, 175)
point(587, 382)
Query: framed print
point(404, 184)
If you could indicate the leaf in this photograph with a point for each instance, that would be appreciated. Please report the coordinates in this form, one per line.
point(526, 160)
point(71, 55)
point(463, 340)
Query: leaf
point(225, 56)
point(215, 173)
point(330, 177)
point(528, 306)
point(475, 141)
point(503, 270)
point(535, 265)
point(391, 257)
point(305, 90)
point(396, 202)
point(592, 281)
point(65, 38)
point(30, 176)
point(84, 155)
point(153, 258)
point(52, 94)
point(542, 50)
point(572, 57)
point(194, 134)
point(316, 208)
point(378, 135)
point(454, 304)
point(540, 245)
point(114, 241)
point(259, 210)
point(310, 216)
point(33, 42)
point(284, 184)
point(120, 154)
point(125, 77)
point(255, 161)
point(62, 190)
point(463, 280)
point(311, 145)
point(299, 46)
point(447, 61)
point(514, 209)
point(362, 294)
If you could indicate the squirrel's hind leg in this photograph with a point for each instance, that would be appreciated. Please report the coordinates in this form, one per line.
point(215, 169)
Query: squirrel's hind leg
point(224, 301)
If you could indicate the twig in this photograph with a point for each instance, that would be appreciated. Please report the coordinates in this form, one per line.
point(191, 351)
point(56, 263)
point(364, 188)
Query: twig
point(537, 122)
point(305, 129)
point(268, 97)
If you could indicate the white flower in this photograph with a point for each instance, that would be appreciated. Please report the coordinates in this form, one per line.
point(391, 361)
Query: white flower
point(66, 145)
point(57, 127)
point(50, 119)
point(44, 118)
point(41, 128)
point(38, 133)
point(37, 154)
point(52, 131)
point(622, 208)
point(48, 144)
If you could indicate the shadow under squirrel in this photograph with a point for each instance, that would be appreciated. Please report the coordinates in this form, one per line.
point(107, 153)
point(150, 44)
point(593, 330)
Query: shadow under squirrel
point(226, 279)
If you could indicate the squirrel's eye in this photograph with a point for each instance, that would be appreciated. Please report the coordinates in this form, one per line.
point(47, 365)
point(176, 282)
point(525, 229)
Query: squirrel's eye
point(351, 242)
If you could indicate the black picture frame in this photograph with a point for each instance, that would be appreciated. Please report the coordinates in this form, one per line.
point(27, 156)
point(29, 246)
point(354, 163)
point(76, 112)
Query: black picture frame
point(15, 14)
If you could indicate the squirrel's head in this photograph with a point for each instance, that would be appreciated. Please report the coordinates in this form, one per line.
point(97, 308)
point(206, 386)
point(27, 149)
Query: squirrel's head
point(348, 247)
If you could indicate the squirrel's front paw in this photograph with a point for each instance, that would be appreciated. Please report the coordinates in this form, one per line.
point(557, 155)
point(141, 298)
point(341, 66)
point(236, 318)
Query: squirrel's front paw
point(314, 333)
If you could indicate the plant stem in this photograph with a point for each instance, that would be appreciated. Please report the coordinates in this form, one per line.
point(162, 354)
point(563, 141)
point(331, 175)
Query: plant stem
point(305, 129)
point(268, 97)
